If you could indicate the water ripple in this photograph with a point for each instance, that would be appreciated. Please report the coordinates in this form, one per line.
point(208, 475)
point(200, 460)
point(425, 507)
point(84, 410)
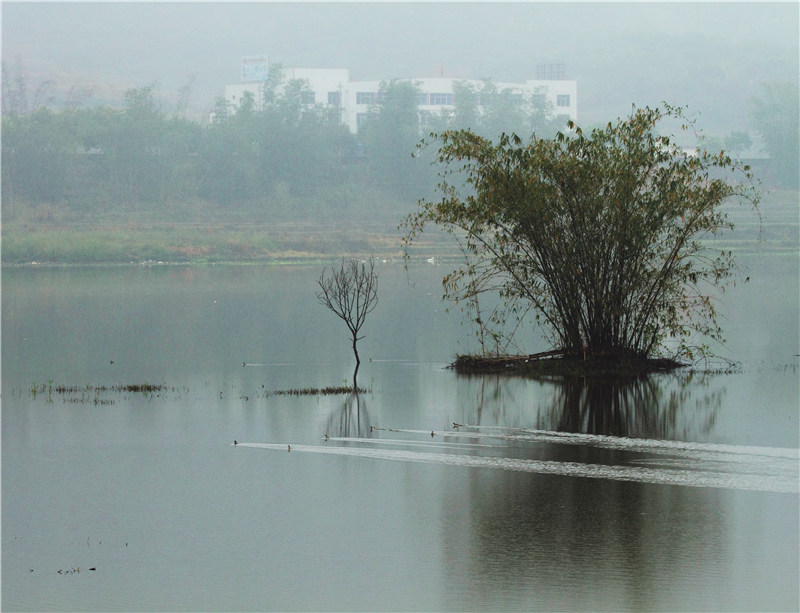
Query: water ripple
point(763, 469)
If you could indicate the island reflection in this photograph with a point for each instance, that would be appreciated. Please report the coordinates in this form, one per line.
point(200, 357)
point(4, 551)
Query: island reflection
point(677, 406)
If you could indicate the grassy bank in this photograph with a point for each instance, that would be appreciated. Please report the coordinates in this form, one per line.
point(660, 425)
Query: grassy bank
point(52, 235)
point(198, 244)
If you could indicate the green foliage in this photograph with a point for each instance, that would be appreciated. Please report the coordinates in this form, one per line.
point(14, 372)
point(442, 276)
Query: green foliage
point(390, 134)
point(489, 111)
point(31, 158)
point(598, 236)
point(508, 112)
point(277, 156)
point(288, 146)
point(263, 158)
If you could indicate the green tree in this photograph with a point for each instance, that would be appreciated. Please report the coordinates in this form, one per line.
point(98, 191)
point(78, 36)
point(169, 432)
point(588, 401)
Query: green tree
point(135, 148)
point(503, 111)
point(306, 140)
point(180, 142)
point(222, 110)
point(600, 236)
point(96, 173)
point(466, 102)
point(228, 159)
point(37, 155)
point(506, 112)
point(775, 116)
point(542, 118)
point(277, 155)
point(390, 134)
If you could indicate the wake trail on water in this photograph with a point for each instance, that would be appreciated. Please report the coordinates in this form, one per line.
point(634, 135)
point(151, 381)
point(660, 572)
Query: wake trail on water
point(411, 443)
point(608, 442)
point(765, 469)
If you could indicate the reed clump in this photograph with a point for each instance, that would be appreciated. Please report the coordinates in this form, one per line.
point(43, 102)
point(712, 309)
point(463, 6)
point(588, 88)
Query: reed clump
point(317, 391)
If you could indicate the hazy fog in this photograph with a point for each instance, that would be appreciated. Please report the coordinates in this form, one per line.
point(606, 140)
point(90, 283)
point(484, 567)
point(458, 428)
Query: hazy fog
point(710, 56)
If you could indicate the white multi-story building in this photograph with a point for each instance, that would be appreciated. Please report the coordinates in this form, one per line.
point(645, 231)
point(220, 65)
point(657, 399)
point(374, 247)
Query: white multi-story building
point(437, 95)
point(333, 87)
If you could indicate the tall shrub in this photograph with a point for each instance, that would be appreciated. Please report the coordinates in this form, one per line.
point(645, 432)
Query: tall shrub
point(601, 236)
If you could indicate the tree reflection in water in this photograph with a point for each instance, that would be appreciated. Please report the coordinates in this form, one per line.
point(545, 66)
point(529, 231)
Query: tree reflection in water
point(352, 419)
point(670, 406)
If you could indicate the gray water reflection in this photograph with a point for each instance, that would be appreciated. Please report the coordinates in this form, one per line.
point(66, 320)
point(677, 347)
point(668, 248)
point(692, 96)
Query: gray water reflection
point(545, 499)
point(682, 406)
point(531, 533)
point(352, 419)
point(646, 407)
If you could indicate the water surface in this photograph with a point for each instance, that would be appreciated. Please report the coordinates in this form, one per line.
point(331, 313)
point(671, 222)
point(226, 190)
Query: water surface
point(430, 492)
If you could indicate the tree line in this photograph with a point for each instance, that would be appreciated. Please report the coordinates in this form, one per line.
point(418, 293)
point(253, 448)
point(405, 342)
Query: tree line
point(285, 159)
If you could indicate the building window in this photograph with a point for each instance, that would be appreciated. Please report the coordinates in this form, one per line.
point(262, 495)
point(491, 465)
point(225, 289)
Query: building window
point(308, 97)
point(366, 97)
point(441, 100)
point(562, 100)
point(334, 98)
point(360, 119)
point(422, 98)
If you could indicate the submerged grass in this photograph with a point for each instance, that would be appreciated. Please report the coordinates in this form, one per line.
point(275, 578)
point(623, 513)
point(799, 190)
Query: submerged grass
point(93, 394)
point(97, 394)
point(143, 388)
point(314, 391)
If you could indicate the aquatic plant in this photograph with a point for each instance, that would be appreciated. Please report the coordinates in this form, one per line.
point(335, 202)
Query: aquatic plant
point(315, 391)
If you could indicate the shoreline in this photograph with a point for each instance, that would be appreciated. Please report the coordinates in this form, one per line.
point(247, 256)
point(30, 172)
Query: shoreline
point(53, 236)
point(215, 246)
point(207, 245)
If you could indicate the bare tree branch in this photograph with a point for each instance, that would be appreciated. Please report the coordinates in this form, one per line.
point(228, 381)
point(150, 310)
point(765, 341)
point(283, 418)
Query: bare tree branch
point(351, 292)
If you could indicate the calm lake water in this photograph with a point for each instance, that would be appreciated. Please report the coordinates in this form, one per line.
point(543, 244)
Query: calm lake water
point(671, 493)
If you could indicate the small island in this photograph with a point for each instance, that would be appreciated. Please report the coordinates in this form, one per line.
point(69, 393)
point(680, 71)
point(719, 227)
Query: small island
point(557, 363)
point(601, 240)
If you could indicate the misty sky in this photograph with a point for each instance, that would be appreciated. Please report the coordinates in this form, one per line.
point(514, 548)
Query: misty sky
point(712, 56)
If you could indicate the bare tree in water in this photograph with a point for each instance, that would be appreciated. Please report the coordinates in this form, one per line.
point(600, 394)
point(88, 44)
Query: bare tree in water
point(351, 292)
